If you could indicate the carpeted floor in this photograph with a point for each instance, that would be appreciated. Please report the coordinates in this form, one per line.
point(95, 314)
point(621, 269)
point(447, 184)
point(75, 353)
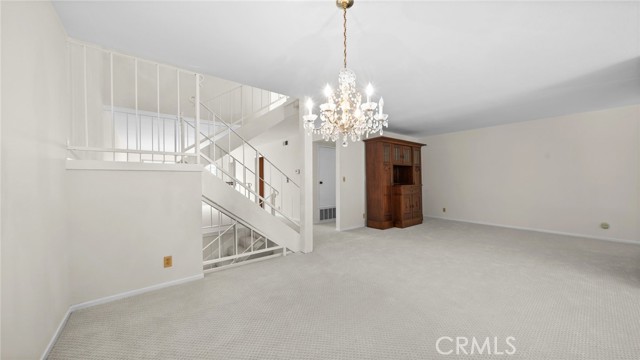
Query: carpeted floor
point(370, 294)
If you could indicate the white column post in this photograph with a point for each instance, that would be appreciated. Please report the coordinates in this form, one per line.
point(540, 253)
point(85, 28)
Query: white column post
point(86, 105)
point(113, 117)
point(197, 118)
point(306, 188)
point(182, 137)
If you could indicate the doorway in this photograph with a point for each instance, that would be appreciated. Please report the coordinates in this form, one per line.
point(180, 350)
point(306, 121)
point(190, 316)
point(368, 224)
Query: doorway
point(325, 184)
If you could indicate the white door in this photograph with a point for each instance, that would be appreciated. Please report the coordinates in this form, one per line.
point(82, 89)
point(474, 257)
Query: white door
point(326, 179)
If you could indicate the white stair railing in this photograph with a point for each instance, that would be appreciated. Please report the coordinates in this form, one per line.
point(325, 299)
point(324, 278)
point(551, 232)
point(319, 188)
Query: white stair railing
point(242, 176)
point(276, 191)
point(125, 108)
point(228, 241)
point(242, 103)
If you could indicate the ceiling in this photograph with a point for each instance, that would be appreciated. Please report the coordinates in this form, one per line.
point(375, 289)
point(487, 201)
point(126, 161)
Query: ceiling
point(441, 66)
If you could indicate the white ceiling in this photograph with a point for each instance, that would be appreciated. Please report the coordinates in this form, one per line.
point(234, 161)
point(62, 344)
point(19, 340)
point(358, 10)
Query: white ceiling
point(441, 66)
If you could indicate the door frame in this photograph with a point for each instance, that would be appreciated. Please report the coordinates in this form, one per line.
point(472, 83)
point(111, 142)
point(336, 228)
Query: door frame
point(316, 208)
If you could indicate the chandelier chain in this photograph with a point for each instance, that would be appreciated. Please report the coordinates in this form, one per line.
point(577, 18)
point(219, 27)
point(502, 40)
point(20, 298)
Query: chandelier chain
point(344, 17)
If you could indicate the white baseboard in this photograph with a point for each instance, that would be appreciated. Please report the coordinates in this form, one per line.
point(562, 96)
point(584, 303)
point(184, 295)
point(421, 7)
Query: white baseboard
point(623, 241)
point(127, 294)
point(111, 298)
point(351, 228)
point(56, 334)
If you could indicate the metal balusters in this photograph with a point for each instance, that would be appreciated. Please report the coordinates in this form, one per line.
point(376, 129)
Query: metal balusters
point(247, 243)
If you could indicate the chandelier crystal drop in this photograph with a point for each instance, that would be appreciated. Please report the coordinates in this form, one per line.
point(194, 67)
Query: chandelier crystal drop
point(344, 116)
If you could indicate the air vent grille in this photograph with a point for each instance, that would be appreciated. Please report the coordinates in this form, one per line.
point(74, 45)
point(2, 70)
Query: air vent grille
point(327, 214)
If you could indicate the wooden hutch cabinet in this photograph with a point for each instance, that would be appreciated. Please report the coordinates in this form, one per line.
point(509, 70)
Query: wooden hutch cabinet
point(394, 183)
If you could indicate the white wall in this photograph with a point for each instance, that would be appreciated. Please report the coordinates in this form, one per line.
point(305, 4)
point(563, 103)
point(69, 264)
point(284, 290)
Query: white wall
point(286, 158)
point(35, 113)
point(350, 186)
point(123, 223)
point(0, 181)
point(566, 174)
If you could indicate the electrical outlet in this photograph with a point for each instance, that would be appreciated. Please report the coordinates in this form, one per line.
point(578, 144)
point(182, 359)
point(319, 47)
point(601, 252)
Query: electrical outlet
point(168, 261)
point(444, 209)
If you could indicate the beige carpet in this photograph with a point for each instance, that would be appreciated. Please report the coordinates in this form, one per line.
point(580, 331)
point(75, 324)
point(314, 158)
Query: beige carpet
point(370, 294)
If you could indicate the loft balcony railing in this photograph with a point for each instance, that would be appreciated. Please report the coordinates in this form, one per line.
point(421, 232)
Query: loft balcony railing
point(133, 110)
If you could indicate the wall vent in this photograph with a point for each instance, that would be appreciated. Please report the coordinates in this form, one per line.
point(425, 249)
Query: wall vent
point(327, 214)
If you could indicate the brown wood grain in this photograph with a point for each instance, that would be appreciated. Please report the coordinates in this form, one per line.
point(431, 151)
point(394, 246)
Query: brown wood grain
point(392, 203)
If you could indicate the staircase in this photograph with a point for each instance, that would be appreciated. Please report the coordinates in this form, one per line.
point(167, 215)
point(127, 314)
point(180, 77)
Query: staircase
point(252, 207)
point(275, 197)
point(227, 241)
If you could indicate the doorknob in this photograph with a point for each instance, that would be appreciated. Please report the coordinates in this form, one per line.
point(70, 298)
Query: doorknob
point(320, 182)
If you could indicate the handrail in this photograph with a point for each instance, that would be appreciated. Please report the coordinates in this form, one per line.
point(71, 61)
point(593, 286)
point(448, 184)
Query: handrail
point(212, 204)
point(210, 258)
point(243, 185)
point(245, 141)
point(224, 93)
point(220, 235)
point(130, 151)
point(218, 146)
point(207, 138)
point(251, 246)
point(248, 88)
point(212, 161)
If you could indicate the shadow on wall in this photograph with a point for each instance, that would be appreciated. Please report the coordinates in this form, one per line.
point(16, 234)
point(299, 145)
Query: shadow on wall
point(613, 86)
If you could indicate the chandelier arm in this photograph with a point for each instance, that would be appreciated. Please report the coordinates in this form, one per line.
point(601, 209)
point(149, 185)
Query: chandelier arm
point(344, 17)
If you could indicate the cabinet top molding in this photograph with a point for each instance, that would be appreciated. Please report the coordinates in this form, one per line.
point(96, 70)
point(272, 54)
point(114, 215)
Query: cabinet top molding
point(393, 141)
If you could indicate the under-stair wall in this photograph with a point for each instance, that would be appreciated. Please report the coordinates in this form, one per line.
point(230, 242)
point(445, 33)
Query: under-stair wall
point(124, 219)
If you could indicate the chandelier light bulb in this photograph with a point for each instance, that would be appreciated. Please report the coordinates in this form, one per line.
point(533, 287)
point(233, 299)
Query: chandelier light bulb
point(369, 92)
point(310, 105)
point(327, 91)
point(380, 105)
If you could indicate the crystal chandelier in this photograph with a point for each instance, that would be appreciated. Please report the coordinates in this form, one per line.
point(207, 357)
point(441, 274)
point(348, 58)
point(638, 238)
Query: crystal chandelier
point(343, 115)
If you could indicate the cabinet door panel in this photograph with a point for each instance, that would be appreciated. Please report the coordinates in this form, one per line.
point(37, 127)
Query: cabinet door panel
point(397, 154)
point(417, 205)
point(386, 190)
point(416, 156)
point(387, 207)
point(386, 153)
point(406, 155)
point(417, 176)
point(407, 206)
